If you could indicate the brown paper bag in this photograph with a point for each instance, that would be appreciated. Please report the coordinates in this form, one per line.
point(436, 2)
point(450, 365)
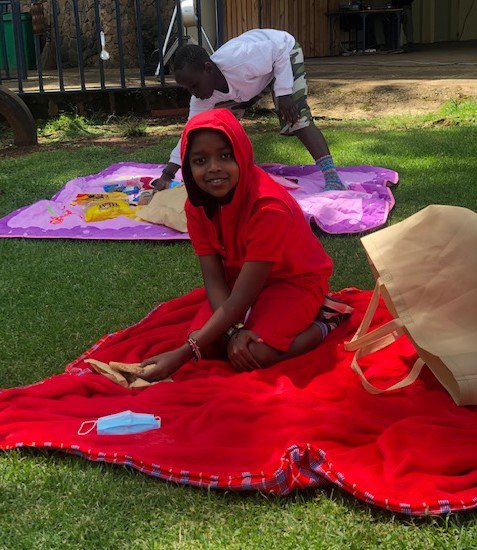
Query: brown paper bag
point(426, 271)
point(126, 375)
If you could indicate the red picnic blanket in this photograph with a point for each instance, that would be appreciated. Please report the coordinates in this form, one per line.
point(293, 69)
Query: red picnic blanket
point(297, 424)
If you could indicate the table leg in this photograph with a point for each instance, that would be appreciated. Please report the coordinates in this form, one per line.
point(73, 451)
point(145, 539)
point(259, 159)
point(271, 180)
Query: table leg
point(363, 27)
point(398, 30)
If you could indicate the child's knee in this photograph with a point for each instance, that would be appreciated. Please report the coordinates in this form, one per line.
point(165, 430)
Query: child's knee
point(264, 355)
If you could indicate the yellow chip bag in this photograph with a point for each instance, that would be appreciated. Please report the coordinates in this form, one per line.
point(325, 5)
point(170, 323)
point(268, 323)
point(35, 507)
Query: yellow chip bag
point(92, 198)
point(106, 210)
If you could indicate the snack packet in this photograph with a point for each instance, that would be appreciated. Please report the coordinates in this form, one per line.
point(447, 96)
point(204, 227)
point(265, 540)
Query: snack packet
point(128, 189)
point(92, 198)
point(107, 210)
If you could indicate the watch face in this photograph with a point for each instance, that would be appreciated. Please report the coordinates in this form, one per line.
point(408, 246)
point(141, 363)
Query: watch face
point(234, 329)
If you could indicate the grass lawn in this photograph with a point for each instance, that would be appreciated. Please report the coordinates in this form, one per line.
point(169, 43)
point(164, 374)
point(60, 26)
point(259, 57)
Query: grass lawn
point(57, 297)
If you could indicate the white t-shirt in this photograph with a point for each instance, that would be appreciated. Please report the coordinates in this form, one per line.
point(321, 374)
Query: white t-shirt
point(249, 63)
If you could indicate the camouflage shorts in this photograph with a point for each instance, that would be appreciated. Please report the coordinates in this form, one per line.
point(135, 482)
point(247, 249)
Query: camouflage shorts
point(299, 96)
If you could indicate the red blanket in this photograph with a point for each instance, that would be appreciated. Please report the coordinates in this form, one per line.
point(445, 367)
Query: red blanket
point(294, 425)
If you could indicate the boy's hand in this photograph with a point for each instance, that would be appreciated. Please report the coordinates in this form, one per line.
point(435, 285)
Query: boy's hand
point(287, 109)
point(167, 176)
point(161, 183)
point(239, 353)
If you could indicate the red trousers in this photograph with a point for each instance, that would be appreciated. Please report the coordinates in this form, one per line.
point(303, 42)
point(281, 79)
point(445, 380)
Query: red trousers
point(283, 309)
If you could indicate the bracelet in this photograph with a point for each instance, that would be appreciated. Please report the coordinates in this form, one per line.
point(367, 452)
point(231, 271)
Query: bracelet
point(195, 348)
point(233, 330)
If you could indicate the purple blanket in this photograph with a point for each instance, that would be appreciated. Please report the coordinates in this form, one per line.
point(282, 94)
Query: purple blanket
point(364, 206)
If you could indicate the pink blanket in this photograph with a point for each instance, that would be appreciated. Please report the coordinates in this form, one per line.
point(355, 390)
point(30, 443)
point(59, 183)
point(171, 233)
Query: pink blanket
point(364, 206)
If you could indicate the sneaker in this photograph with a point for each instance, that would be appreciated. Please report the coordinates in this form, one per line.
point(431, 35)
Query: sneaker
point(332, 313)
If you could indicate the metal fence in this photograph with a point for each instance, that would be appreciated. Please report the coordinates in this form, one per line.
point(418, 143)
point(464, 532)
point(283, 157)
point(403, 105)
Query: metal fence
point(77, 76)
point(13, 7)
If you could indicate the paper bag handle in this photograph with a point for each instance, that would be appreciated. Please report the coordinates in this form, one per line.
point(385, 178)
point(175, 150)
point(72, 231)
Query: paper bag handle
point(364, 343)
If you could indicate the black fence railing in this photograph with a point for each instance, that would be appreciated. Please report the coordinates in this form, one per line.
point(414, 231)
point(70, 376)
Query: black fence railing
point(12, 42)
point(81, 45)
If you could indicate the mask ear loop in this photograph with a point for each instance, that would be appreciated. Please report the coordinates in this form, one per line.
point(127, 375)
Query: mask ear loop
point(93, 422)
point(158, 418)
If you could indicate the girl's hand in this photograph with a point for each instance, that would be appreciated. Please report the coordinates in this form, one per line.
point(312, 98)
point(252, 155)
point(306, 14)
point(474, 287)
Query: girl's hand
point(239, 353)
point(162, 366)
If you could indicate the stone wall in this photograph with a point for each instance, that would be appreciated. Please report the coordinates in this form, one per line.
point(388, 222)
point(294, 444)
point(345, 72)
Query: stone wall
point(107, 11)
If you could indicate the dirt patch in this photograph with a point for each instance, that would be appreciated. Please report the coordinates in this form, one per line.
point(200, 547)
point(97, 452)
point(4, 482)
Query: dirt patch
point(365, 99)
point(126, 144)
point(408, 83)
point(343, 88)
point(168, 127)
point(358, 99)
point(364, 86)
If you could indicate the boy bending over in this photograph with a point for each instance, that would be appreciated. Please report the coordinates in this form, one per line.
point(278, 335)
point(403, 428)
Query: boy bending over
point(237, 75)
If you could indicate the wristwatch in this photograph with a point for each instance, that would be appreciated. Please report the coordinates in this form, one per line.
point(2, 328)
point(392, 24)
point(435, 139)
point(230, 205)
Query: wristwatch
point(233, 330)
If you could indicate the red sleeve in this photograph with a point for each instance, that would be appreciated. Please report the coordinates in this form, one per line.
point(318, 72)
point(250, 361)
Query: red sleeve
point(267, 231)
point(198, 231)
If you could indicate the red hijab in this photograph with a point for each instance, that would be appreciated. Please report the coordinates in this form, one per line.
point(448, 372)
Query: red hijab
point(252, 178)
point(231, 228)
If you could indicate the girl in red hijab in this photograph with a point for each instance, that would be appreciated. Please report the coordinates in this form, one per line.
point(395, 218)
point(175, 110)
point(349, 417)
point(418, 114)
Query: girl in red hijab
point(265, 273)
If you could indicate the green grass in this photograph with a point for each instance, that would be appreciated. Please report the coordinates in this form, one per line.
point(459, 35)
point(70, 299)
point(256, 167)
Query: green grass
point(452, 113)
point(67, 127)
point(58, 297)
point(134, 127)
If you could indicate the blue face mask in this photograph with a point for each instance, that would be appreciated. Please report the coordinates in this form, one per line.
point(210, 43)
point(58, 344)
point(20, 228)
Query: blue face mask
point(122, 423)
